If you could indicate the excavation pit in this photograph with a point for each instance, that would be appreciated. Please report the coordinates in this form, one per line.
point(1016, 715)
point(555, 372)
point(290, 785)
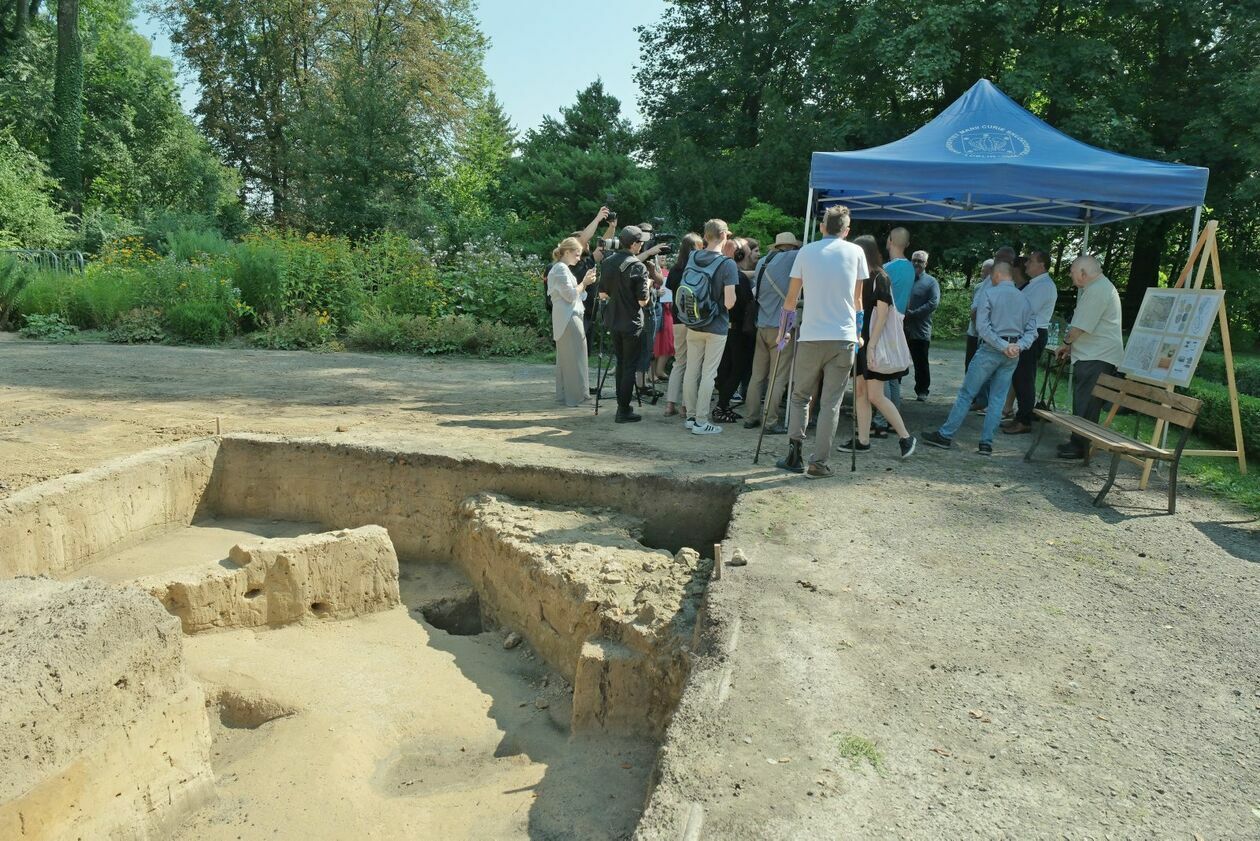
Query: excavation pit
point(393, 635)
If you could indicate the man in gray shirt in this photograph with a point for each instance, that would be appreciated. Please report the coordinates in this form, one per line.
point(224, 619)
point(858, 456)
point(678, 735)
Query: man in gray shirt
point(771, 278)
point(1042, 294)
point(925, 297)
point(1006, 326)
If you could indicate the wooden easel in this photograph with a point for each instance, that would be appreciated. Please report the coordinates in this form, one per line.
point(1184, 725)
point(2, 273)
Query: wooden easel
point(1204, 252)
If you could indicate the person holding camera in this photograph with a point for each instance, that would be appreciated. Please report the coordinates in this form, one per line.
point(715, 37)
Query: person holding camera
point(567, 295)
point(624, 285)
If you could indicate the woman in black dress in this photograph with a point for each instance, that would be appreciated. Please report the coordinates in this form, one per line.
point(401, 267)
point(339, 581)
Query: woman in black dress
point(877, 303)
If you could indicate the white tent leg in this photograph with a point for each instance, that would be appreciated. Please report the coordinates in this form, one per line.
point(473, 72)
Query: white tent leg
point(1085, 245)
point(809, 216)
point(1194, 231)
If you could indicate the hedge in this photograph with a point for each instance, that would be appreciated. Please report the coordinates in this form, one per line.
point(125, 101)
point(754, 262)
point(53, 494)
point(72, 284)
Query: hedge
point(1216, 421)
point(1246, 372)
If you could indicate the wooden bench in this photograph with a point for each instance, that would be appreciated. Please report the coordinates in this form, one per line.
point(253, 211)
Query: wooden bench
point(1144, 399)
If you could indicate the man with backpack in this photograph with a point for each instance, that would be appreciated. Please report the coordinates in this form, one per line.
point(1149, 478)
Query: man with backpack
point(830, 273)
point(705, 294)
point(625, 283)
point(770, 285)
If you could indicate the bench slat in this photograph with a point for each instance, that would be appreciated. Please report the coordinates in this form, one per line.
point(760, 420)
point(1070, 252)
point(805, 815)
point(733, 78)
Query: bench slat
point(1106, 438)
point(1145, 407)
point(1151, 392)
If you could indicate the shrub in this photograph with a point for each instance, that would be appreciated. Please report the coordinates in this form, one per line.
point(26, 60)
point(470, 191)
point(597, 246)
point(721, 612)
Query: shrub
point(303, 331)
point(195, 244)
point(138, 327)
point(1246, 372)
point(952, 317)
point(14, 275)
point(52, 328)
point(258, 272)
point(489, 284)
point(99, 296)
point(319, 273)
point(1216, 421)
point(763, 222)
point(434, 336)
point(198, 322)
point(401, 276)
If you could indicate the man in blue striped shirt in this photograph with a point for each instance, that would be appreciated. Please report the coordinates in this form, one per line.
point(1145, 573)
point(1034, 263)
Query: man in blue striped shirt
point(1006, 326)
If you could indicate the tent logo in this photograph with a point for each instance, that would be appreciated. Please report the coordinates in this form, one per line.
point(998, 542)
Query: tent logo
point(987, 142)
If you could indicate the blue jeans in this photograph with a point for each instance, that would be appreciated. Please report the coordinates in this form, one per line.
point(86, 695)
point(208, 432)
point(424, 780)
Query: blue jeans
point(991, 371)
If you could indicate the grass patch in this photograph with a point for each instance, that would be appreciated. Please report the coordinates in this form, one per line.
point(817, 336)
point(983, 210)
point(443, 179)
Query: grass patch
point(858, 750)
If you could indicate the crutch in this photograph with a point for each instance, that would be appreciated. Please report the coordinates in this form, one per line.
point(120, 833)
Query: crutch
point(854, 413)
point(765, 412)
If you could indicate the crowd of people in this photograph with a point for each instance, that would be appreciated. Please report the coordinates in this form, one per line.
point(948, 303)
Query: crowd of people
point(780, 334)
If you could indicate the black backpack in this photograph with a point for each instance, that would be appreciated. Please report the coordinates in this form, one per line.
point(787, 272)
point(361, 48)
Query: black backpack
point(694, 304)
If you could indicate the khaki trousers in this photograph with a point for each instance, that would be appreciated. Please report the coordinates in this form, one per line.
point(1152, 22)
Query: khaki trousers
point(831, 362)
point(674, 391)
point(764, 354)
point(704, 354)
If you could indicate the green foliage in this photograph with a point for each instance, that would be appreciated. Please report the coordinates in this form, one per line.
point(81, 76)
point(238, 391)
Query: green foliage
point(319, 274)
point(763, 222)
point(401, 276)
point(468, 197)
point(198, 322)
point(568, 167)
point(952, 317)
point(195, 244)
point(258, 272)
point(67, 153)
point(14, 275)
point(858, 750)
point(489, 284)
point(301, 331)
point(1246, 371)
point(432, 336)
point(51, 328)
point(28, 216)
point(138, 327)
point(1216, 418)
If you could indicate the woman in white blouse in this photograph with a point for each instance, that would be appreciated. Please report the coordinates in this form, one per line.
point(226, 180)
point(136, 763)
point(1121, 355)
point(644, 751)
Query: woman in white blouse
point(567, 294)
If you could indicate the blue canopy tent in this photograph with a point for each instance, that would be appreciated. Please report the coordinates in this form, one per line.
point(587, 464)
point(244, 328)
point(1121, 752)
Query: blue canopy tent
point(986, 159)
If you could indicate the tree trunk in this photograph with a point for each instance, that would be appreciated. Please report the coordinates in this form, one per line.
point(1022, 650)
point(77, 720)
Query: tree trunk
point(23, 18)
point(67, 161)
point(1148, 249)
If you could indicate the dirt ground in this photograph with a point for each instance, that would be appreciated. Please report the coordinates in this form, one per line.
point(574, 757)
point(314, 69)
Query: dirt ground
point(944, 647)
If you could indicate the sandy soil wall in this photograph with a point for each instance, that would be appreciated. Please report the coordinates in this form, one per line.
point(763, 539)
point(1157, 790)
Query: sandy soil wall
point(60, 525)
point(334, 575)
point(102, 732)
point(416, 496)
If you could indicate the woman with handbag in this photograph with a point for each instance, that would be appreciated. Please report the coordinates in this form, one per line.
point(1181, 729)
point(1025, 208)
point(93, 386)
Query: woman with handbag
point(882, 350)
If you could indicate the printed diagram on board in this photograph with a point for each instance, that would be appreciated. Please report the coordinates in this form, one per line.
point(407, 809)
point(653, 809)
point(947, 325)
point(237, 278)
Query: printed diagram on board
point(1171, 331)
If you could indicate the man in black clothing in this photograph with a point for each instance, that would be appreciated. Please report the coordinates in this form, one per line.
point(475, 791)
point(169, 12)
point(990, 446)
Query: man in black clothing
point(624, 285)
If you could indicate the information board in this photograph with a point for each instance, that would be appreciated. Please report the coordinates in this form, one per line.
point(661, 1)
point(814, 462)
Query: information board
point(1169, 335)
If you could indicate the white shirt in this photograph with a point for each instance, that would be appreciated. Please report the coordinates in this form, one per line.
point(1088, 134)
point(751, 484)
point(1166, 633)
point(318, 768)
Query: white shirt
point(566, 301)
point(1043, 295)
point(829, 270)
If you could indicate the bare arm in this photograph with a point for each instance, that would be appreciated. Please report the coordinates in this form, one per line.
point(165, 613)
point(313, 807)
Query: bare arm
point(589, 230)
point(729, 297)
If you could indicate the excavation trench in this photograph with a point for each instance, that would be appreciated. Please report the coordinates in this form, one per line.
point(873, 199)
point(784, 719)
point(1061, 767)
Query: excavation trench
point(388, 633)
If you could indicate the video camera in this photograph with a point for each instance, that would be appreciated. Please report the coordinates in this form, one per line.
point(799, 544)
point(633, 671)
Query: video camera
point(661, 238)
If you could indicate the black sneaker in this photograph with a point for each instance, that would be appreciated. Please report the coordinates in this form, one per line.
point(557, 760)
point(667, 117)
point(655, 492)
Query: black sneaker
point(793, 460)
point(922, 398)
point(907, 445)
point(752, 423)
point(628, 417)
point(985, 448)
point(853, 445)
point(936, 439)
point(1067, 451)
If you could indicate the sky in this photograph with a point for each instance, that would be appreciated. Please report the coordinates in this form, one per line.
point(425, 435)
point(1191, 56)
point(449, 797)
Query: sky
point(540, 55)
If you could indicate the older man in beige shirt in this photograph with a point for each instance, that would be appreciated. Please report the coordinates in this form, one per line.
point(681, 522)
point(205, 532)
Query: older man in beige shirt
point(1094, 340)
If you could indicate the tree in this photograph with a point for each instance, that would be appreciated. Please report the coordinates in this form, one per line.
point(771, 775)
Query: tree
point(334, 113)
point(570, 166)
point(67, 160)
point(468, 198)
point(29, 218)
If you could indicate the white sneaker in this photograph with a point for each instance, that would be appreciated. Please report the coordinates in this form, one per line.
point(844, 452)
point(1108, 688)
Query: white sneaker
point(705, 428)
point(689, 423)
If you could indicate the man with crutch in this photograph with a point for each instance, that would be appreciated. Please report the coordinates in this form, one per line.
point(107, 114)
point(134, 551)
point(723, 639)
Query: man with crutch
point(830, 271)
point(770, 285)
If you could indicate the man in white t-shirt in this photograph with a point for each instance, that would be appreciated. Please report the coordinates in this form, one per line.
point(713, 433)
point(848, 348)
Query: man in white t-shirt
point(830, 271)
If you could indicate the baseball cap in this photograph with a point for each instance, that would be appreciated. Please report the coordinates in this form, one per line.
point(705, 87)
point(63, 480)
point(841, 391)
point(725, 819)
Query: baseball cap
point(631, 234)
